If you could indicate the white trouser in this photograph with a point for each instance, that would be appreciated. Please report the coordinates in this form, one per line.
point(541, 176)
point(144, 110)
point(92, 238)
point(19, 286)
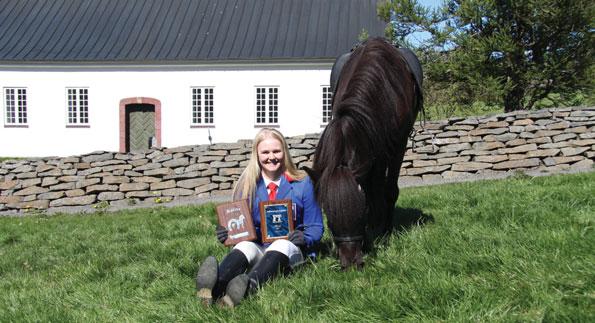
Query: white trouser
point(254, 252)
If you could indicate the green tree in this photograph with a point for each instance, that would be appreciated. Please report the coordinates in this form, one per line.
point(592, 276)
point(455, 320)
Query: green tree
point(506, 52)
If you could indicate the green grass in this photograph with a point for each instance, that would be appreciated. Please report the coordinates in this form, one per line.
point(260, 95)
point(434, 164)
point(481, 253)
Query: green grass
point(437, 108)
point(434, 112)
point(514, 250)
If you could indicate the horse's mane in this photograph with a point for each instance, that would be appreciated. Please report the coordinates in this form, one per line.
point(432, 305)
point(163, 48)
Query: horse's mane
point(370, 102)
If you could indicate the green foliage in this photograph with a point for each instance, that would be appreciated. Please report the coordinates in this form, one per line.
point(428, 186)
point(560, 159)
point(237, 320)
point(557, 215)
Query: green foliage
point(444, 100)
point(406, 17)
point(101, 206)
point(504, 53)
point(553, 100)
point(363, 35)
point(8, 158)
point(514, 250)
point(445, 111)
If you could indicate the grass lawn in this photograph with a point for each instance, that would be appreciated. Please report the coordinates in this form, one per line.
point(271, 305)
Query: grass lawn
point(521, 249)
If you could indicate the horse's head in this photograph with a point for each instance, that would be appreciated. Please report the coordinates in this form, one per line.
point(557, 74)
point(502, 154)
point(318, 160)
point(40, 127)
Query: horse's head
point(350, 251)
point(344, 204)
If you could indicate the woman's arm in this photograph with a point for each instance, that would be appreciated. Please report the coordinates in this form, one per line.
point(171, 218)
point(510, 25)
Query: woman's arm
point(313, 225)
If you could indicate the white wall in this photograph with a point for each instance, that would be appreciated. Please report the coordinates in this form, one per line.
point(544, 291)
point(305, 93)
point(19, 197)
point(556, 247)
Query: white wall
point(300, 104)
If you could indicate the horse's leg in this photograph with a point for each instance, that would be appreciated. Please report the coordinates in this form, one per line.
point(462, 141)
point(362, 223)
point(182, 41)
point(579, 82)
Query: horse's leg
point(392, 176)
point(392, 194)
point(377, 224)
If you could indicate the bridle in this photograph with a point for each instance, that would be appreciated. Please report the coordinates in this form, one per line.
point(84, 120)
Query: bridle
point(357, 238)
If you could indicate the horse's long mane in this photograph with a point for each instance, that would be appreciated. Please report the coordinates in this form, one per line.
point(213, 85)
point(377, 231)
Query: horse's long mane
point(373, 98)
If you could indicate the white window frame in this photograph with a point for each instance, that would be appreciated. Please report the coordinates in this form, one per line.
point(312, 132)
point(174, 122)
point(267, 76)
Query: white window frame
point(77, 106)
point(15, 106)
point(202, 106)
point(326, 101)
point(266, 112)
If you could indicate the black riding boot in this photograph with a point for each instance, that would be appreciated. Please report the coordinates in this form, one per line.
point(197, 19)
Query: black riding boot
point(271, 263)
point(235, 263)
point(212, 279)
point(206, 279)
point(268, 267)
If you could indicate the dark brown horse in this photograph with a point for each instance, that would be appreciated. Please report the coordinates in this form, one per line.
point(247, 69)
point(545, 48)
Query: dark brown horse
point(359, 155)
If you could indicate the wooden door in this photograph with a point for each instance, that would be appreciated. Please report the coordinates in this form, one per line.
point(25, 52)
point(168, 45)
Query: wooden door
point(140, 126)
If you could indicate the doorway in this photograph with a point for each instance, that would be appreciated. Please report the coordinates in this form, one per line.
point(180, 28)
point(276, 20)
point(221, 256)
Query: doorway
point(140, 127)
point(140, 124)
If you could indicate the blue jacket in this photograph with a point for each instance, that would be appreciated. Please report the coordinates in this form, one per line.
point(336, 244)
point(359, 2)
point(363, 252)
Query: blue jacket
point(308, 217)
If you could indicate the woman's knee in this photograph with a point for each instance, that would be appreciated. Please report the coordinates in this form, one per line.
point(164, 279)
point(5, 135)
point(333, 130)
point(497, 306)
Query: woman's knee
point(251, 250)
point(287, 248)
point(282, 245)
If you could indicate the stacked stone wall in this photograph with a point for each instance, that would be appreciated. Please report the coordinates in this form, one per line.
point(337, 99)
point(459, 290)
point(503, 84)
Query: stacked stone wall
point(458, 148)
point(544, 141)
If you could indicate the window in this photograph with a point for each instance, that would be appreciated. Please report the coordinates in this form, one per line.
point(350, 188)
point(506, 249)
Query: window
point(78, 106)
point(267, 105)
point(15, 106)
point(327, 100)
point(202, 106)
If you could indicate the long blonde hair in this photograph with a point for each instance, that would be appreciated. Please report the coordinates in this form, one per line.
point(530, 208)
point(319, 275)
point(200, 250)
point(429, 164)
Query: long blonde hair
point(245, 188)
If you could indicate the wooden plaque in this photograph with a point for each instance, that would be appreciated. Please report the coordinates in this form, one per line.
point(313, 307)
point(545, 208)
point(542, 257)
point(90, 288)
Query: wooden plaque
point(236, 217)
point(276, 219)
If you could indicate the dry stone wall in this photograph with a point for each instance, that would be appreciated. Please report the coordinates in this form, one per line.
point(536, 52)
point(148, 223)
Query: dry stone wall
point(458, 148)
point(543, 141)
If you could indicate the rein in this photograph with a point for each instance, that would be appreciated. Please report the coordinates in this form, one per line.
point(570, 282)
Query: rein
point(349, 238)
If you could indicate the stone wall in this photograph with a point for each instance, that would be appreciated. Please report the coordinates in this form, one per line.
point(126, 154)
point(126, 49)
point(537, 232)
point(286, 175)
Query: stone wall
point(457, 148)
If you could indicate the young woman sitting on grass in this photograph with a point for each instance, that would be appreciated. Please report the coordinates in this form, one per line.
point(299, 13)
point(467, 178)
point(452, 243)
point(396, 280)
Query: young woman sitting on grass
point(270, 175)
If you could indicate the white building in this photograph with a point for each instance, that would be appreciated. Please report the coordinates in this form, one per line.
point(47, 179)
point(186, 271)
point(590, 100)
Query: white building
point(82, 76)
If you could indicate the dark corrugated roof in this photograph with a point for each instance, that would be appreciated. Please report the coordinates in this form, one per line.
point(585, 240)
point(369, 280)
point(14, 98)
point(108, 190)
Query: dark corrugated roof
point(181, 30)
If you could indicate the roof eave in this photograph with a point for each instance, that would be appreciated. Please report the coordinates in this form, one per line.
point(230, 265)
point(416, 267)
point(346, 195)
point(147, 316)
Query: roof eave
point(217, 64)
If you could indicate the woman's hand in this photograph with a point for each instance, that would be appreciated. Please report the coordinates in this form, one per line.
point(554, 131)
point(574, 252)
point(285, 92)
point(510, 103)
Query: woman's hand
point(297, 238)
point(222, 233)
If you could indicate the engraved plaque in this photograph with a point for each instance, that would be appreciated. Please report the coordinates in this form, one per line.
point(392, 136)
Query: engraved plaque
point(236, 218)
point(276, 219)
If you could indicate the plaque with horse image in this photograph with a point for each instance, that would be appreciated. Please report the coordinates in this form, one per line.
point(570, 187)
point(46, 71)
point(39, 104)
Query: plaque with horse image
point(236, 218)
